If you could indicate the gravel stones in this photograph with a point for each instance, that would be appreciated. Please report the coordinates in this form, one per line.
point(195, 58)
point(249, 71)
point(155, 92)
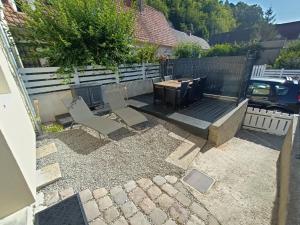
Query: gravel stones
point(159, 180)
point(105, 203)
point(150, 207)
point(129, 186)
point(158, 216)
point(139, 219)
point(99, 193)
point(111, 163)
point(91, 210)
point(129, 209)
point(85, 195)
point(147, 205)
point(154, 192)
point(137, 195)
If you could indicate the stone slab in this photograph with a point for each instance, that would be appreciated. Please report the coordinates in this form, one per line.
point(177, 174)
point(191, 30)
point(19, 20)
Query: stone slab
point(45, 150)
point(47, 175)
point(184, 155)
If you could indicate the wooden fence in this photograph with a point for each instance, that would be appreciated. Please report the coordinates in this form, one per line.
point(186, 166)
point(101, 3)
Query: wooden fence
point(262, 71)
point(45, 79)
point(267, 121)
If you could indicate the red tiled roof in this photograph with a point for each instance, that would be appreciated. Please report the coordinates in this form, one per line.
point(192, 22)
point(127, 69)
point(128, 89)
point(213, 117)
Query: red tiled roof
point(12, 17)
point(152, 27)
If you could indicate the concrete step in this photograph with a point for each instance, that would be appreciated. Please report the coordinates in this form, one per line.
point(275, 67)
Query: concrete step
point(48, 175)
point(186, 152)
point(45, 150)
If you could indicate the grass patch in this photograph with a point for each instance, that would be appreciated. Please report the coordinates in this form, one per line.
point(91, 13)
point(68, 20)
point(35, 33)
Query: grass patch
point(52, 128)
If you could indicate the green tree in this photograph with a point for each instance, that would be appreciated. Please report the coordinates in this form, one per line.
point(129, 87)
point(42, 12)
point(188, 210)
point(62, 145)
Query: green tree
point(289, 58)
point(74, 33)
point(255, 20)
point(270, 16)
point(247, 16)
point(200, 17)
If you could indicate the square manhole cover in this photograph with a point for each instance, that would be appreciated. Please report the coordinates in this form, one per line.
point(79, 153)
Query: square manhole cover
point(66, 212)
point(198, 180)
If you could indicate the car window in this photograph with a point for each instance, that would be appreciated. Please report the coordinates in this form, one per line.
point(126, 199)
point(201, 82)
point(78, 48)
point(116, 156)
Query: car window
point(281, 90)
point(259, 89)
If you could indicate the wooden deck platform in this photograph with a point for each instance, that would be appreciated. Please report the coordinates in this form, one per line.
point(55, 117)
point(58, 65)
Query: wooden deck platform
point(196, 118)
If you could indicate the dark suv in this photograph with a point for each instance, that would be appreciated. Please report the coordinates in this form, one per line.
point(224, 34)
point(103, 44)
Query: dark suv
point(275, 94)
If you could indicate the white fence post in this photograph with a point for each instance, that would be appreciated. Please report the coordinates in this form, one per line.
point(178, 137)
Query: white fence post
point(117, 76)
point(281, 72)
point(76, 76)
point(143, 71)
point(264, 67)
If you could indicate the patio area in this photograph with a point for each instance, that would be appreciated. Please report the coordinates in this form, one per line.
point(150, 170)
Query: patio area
point(136, 175)
point(196, 118)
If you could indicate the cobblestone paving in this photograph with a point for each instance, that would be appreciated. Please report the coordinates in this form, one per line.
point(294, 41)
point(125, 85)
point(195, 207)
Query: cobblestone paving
point(160, 201)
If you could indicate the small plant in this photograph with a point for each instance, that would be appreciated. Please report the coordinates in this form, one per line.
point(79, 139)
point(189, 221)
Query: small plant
point(145, 53)
point(188, 50)
point(52, 128)
point(289, 58)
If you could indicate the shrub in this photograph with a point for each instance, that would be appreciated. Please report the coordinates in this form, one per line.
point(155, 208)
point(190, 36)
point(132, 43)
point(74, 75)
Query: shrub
point(289, 58)
point(146, 53)
point(188, 50)
point(74, 33)
point(233, 49)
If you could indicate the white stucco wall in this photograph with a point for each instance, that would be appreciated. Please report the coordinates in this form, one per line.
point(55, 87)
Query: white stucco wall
point(17, 145)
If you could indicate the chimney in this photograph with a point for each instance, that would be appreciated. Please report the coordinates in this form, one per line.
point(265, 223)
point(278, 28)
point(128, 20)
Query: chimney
point(141, 5)
point(127, 3)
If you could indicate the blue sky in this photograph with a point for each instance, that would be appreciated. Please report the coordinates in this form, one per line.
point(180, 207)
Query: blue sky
point(285, 10)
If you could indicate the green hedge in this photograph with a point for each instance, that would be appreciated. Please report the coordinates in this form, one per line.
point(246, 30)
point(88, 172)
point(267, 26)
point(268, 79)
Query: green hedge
point(289, 58)
point(188, 50)
point(233, 49)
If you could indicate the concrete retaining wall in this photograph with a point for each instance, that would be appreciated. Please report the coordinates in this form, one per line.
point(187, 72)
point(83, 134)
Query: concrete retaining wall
point(289, 178)
point(226, 127)
point(51, 104)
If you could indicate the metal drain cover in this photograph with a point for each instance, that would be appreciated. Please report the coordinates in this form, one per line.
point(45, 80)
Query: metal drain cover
point(66, 212)
point(198, 180)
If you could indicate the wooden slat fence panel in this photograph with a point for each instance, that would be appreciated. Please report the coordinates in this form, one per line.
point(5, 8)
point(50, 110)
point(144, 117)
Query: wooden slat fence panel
point(267, 121)
point(261, 71)
point(46, 79)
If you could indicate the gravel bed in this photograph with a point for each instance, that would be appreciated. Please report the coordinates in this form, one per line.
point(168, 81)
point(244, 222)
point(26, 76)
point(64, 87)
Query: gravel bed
point(89, 162)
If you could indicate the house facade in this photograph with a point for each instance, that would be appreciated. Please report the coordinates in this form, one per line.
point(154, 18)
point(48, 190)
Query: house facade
point(289, 31)
point(17, 143)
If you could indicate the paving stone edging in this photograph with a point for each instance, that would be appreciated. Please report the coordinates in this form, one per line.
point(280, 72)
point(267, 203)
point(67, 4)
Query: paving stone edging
point(160, 201)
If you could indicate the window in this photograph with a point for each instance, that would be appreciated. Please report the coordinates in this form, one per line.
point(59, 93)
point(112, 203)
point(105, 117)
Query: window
point(259, 89)
point(4, 89)
point(281, 90)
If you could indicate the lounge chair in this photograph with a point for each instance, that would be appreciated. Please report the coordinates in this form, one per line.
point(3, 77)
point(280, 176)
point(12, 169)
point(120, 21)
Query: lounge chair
point(118, 106)
point(81, 114)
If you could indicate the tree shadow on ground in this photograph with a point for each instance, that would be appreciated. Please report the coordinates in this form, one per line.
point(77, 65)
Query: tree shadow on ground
point(80, 141)
point(268, 140)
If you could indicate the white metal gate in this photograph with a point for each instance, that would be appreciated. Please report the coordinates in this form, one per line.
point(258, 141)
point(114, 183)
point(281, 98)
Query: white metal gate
point(262, 71)
point(267, 121)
